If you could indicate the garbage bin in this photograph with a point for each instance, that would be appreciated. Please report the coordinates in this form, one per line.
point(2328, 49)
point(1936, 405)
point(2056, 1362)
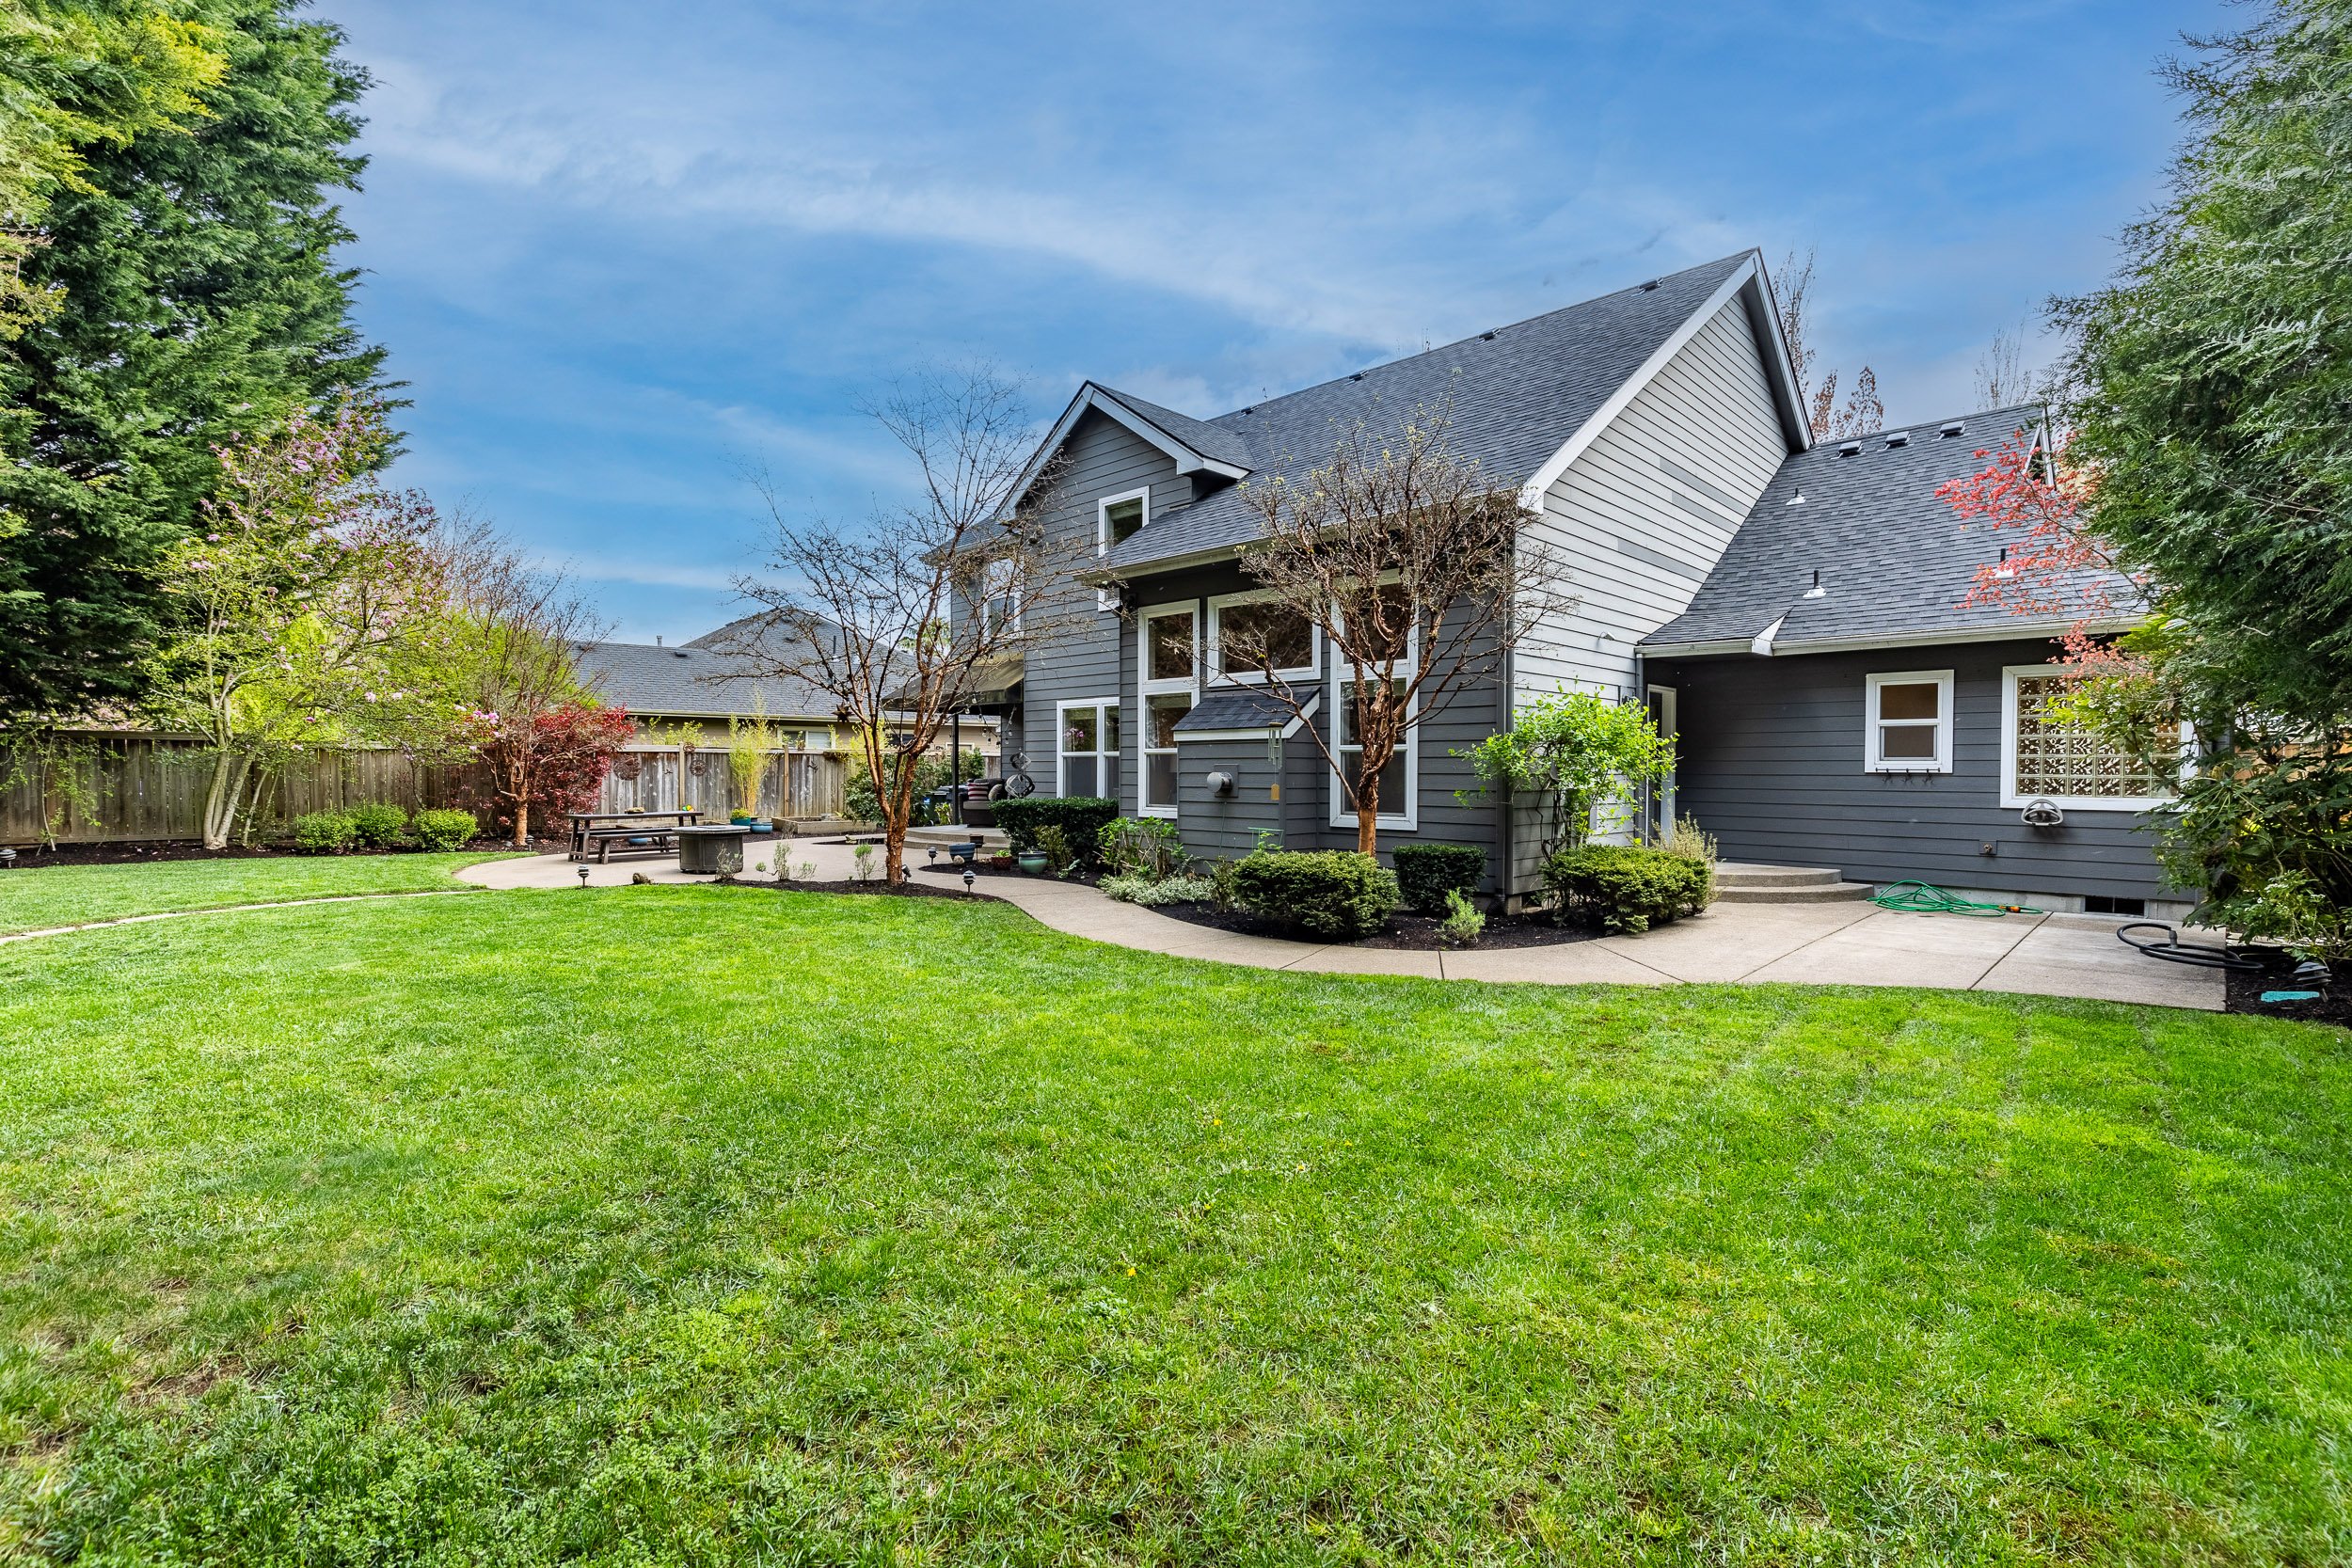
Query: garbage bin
point(712, 850)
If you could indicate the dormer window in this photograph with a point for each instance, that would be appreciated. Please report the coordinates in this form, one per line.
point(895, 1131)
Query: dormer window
point(1116, 517)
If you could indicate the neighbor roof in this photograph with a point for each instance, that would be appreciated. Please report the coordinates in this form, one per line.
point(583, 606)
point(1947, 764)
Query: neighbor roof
point(1895, 561)
point(1515, 396)
point(693, 680)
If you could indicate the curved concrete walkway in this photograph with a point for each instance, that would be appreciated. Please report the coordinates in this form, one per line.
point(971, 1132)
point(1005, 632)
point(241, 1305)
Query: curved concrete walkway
point(1838, 944)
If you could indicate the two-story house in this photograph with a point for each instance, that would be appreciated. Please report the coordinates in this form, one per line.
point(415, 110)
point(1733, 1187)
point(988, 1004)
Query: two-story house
point(1790, 610)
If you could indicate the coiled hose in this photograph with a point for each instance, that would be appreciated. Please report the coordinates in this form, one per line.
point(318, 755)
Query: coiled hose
point(1926, 899)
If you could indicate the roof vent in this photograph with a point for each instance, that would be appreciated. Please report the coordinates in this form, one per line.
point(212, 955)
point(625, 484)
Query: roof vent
point(679, 653)
point(1357, 377)
point(2002, 568)
point(1951, 428)
point(1849, 449)
point(1817, 591)
point(1797, 500)
point(1650, 285)
point(1897, 438)
point(1486, 336)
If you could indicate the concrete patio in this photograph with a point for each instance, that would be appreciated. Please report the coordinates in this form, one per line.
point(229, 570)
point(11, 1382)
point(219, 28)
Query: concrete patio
point(1824, 945)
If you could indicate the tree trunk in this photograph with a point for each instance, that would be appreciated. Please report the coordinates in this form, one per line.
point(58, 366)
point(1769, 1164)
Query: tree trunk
point(522, 823)
point(221, 797)
point(1368, 803)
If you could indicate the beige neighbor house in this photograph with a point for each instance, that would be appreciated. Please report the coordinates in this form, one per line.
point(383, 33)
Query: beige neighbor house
point(686, 700)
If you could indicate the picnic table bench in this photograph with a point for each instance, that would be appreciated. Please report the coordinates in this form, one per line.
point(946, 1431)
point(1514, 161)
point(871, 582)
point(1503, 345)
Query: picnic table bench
point(603, 830)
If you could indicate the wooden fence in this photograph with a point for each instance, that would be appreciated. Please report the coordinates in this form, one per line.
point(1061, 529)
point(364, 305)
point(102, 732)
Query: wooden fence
point(119, 788)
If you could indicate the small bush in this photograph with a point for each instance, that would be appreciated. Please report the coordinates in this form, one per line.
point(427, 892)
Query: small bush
point(1463, 924)
point(1055, 845)
point(1225, 884)
point(1080, 817)
point(325, 832)
point(1143, 847)
point(1336, 894)
point(378, 826)
point(1427, 872)
point(1153, 892)
point(1694, 842)
point(1627, 887)
point(444, 829)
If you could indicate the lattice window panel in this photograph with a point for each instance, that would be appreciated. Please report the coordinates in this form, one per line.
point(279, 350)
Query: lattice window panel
point(2058, 759)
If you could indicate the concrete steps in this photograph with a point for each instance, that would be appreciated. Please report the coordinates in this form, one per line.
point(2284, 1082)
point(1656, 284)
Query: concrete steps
point(926, 838)
point(1746, 883)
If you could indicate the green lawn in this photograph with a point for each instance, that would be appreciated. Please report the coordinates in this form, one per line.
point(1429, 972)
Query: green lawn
point(695, 1224)
point(35, 898)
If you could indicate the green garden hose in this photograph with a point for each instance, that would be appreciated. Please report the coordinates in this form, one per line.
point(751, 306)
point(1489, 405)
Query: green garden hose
point(1926, 899)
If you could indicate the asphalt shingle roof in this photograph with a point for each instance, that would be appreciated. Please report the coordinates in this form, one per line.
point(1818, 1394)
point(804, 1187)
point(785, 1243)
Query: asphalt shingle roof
point(1516, 394)
point(1893, 560)
point(1235, 708)
point(646, 679)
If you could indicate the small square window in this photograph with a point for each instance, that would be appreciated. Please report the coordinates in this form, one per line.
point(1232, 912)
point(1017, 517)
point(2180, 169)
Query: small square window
point(1908, 722)
point(1122, 518)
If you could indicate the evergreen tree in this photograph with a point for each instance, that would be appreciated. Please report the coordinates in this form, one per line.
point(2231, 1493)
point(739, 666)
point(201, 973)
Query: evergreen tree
point(195, 300)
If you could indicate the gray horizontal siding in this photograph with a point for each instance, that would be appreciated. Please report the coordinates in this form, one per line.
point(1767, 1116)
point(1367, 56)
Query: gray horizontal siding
point(1770, 763)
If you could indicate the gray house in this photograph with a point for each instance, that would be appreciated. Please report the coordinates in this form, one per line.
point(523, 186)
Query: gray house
point(1789, 610)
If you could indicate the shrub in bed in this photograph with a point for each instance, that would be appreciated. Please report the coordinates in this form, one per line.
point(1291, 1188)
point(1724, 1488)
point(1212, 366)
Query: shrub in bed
point(1427, 872)
point(1147, 847)
point(1628, 887)
point(1080, 817)
point(1337, 893)
point(378, 826)
point(325, 832)
point(1153, 892)
point(445, 830)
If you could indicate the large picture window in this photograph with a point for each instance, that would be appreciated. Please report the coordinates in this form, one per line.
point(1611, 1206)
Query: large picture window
point(2045, 758)
point(1168, 655)
point(1249, 633)
point(1907, 725)
point(1088, 759)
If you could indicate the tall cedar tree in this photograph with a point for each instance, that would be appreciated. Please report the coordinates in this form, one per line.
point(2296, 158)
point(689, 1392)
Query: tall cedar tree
point(196, 300)
point(2213, 382)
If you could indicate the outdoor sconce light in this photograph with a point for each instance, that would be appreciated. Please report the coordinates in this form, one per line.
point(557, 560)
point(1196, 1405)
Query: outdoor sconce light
point(1221, 784)
point(933, 853)
point(968, 879)
point(583, 879)
point(2042, 813)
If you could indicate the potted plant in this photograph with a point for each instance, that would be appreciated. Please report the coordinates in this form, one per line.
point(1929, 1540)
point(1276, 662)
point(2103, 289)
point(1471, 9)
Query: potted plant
point(1032, 861)
point(1000, 861)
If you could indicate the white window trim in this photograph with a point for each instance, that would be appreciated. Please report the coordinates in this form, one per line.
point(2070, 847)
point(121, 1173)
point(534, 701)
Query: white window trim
point(1407, 820)
point(1107, 598)
point(1146, 688)
point(2013, 799)
point(1213, 649)
point(1061, 748)
point(1942, 763)
point(997, 572)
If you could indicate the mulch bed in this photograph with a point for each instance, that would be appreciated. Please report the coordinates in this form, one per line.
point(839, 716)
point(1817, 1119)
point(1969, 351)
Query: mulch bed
point(1411, 933)
point(147, 854)
point(2243, 994)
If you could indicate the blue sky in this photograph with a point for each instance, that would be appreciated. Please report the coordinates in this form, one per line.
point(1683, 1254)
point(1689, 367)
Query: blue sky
point(623, 252)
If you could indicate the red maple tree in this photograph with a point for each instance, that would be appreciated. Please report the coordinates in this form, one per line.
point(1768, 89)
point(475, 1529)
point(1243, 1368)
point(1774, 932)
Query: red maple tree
point(2058, 566)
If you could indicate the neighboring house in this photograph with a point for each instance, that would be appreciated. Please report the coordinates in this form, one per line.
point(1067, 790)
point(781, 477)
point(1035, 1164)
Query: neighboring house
point(1660, 436)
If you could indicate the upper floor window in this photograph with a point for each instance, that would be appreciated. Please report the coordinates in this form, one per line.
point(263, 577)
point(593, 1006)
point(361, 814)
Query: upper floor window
point(1251, 634)
point(2045, 757)
point(1000, 602)
point(1115, 519)
point(1908, 722)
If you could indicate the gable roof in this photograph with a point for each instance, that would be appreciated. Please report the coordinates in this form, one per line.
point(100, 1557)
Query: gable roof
point(1521, 397)
point(693, 680)
point(1894, 562)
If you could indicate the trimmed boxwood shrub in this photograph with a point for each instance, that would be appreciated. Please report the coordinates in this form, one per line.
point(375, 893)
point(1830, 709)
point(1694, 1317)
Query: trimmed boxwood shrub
point(1080, 817)
point(1426, 873)
point(325, 832)
point(378, 826)
point(444, 831)
point(1627, 887)
point(1336, 894)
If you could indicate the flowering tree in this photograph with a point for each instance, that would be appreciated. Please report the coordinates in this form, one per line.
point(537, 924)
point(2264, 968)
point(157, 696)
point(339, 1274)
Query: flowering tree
point(292, 603)
point(550, 762)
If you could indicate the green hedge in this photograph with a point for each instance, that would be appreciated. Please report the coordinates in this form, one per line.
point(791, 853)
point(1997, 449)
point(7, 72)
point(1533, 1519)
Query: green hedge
point(1426, 873)
point(1627, 887)
point(378, 826)
point(1335, 894)
point(1081, 818)
point(325, 832)
point(445, 830)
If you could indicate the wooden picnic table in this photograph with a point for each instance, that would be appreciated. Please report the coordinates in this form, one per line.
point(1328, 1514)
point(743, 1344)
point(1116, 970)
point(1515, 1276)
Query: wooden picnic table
point(604, 828)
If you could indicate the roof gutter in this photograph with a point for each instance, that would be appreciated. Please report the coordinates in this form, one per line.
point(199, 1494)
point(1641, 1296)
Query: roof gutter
point(1768, 644)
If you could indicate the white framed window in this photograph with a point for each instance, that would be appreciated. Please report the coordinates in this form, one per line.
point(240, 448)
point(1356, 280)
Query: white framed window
point(1085, 756)
point(999, 605)
point(1400, 780)
point(1288, 639)
point(2044, 758)
point(1907, 722)
point(1115, 519)
point(1168, 683)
